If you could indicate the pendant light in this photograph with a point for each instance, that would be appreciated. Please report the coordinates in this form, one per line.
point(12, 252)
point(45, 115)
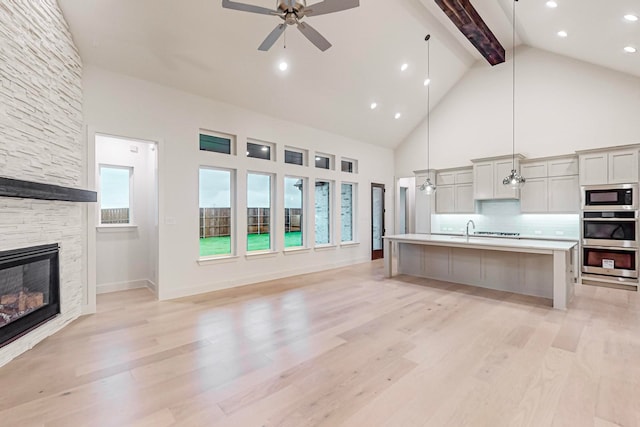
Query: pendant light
point(514, 179)
point(427, 186)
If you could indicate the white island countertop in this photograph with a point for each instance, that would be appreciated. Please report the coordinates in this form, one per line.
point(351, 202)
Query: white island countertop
point(489, 243)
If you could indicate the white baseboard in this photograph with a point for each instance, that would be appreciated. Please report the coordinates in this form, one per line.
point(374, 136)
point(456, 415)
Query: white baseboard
point(124, 286)
point(250, 280)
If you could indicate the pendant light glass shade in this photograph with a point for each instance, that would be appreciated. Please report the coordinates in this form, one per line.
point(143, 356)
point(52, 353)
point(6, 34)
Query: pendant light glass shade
point(427, 187)
point(514, 179)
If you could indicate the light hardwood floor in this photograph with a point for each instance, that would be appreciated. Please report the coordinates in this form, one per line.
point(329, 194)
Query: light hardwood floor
point(338, 348)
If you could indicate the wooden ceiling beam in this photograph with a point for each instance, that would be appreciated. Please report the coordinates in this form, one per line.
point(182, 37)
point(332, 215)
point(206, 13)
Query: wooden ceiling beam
point(470, 23)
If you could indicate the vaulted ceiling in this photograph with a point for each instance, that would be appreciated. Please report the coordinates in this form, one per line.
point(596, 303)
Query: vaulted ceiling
point(199, 47)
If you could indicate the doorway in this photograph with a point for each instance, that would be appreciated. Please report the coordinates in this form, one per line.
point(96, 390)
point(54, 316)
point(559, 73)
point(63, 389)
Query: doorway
point(377, 221)
point(125, 232)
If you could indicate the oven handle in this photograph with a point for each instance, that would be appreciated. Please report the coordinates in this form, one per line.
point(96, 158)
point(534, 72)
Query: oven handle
point(610, 219)
point(609, 248)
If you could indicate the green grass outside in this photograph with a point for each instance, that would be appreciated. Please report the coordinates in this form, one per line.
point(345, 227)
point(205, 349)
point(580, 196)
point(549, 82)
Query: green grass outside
point(212, 246)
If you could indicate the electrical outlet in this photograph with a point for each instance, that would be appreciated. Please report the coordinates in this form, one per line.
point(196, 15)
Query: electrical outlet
point(538, 232)
point(559, 233)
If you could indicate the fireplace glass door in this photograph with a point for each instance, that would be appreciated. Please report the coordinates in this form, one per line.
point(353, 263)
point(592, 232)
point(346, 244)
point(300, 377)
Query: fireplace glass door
point(29, 289)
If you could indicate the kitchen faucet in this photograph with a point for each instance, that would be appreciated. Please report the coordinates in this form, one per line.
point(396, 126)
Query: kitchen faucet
point(474, 227)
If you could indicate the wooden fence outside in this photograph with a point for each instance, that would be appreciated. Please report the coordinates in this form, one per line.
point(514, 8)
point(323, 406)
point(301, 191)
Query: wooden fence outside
point(216, 222)
point(114, 216)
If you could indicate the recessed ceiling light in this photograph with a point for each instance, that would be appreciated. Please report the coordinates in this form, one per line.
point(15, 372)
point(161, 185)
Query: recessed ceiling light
point(552, 4)
point(427, 81)
point(283, 66)
point(562, 34)
point(631, 18)
point(404, 67)
point(630, 49)
point(398, 115)
point(374, 105)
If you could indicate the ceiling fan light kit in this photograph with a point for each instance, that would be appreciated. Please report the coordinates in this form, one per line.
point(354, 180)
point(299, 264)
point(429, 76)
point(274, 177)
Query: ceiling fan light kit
point(292, 12)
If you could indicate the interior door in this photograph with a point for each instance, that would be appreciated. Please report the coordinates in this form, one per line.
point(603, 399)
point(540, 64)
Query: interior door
point(377, 221)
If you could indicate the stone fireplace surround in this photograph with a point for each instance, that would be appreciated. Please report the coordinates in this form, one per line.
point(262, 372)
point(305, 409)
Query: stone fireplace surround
point(41, 140)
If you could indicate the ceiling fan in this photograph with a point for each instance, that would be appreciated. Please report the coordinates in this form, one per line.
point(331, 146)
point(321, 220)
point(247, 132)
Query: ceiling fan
point(291, 12)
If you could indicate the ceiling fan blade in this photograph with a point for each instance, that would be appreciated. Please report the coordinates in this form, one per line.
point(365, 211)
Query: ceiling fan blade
point(272, 37)
point(314, 36)
point(330, 6)
point(228, 4)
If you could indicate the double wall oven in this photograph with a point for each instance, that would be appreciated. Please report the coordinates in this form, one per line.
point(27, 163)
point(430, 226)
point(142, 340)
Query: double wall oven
point(610, 235)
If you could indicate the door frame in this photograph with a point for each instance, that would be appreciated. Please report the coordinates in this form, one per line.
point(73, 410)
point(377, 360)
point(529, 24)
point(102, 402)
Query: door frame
point(377, 253)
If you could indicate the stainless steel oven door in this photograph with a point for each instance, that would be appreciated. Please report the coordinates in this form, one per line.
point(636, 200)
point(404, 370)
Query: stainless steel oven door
point(610, 197)
point(614, 262)
point(619, 232)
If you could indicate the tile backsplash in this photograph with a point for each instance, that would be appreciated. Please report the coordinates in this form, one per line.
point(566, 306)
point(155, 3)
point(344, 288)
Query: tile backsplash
point(505, 216)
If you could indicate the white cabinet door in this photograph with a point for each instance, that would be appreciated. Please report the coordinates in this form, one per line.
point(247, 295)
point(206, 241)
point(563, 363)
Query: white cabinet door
point(464, 177)
point(534, 170)
point(483, 177)
point(445, 178)
point(563, 167)
point(424, 205)
point(533, 195)
point(564, 194)
point(464, 199)
point(623, 166)
point(445, 199)
point(502, 170)
point(593, 169)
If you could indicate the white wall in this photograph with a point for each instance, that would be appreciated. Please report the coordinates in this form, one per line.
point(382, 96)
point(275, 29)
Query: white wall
point(127, 255)
point(119, 105)
point(41, 140)
point(562, 105)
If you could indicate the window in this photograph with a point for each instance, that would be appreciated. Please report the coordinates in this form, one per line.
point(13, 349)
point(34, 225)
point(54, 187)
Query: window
point(323, 212)
point(259, 150)
point(349, 166)
point(323, 162)
point(259, 210)
point(217, 143)
point(294, 156)
point(115, 195)
point(347, 212)
point(294, 195)
point(216, 204)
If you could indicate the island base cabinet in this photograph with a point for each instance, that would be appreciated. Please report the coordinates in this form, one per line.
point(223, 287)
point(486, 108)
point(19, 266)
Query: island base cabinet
point(523, 273)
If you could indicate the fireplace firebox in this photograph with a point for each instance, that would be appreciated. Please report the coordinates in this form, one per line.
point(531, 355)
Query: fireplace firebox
point(29, 289)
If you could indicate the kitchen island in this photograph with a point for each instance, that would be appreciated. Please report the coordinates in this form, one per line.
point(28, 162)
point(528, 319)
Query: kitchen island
point(542, 268)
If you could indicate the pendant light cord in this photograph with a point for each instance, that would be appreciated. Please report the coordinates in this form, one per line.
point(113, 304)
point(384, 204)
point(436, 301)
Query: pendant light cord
point(427, 38)
point(513, 92)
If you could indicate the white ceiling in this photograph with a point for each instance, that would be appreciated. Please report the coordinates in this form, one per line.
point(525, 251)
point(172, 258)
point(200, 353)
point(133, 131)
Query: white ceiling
point(199, 47)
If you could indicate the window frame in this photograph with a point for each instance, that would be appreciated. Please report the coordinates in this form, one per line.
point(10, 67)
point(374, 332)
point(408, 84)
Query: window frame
point(233, 143)
point(330, 157)
point(303, 152)
point(272, 209)
point(270, 145)
point(232, 215)
point(131, 210)
point(354, 165)
point(331, 214)
point(354, 212)
point(304, 229)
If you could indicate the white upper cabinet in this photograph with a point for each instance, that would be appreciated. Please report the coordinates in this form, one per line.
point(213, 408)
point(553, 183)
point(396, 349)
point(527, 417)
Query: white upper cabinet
point(614, 166)
point(455, 191)
point(488, 175)
point(551, 186)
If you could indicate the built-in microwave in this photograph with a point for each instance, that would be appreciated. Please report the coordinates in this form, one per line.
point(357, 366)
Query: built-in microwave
point(610, 197)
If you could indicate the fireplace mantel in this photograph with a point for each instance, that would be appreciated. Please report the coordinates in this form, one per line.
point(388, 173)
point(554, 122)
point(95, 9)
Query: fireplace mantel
point(18, 188)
